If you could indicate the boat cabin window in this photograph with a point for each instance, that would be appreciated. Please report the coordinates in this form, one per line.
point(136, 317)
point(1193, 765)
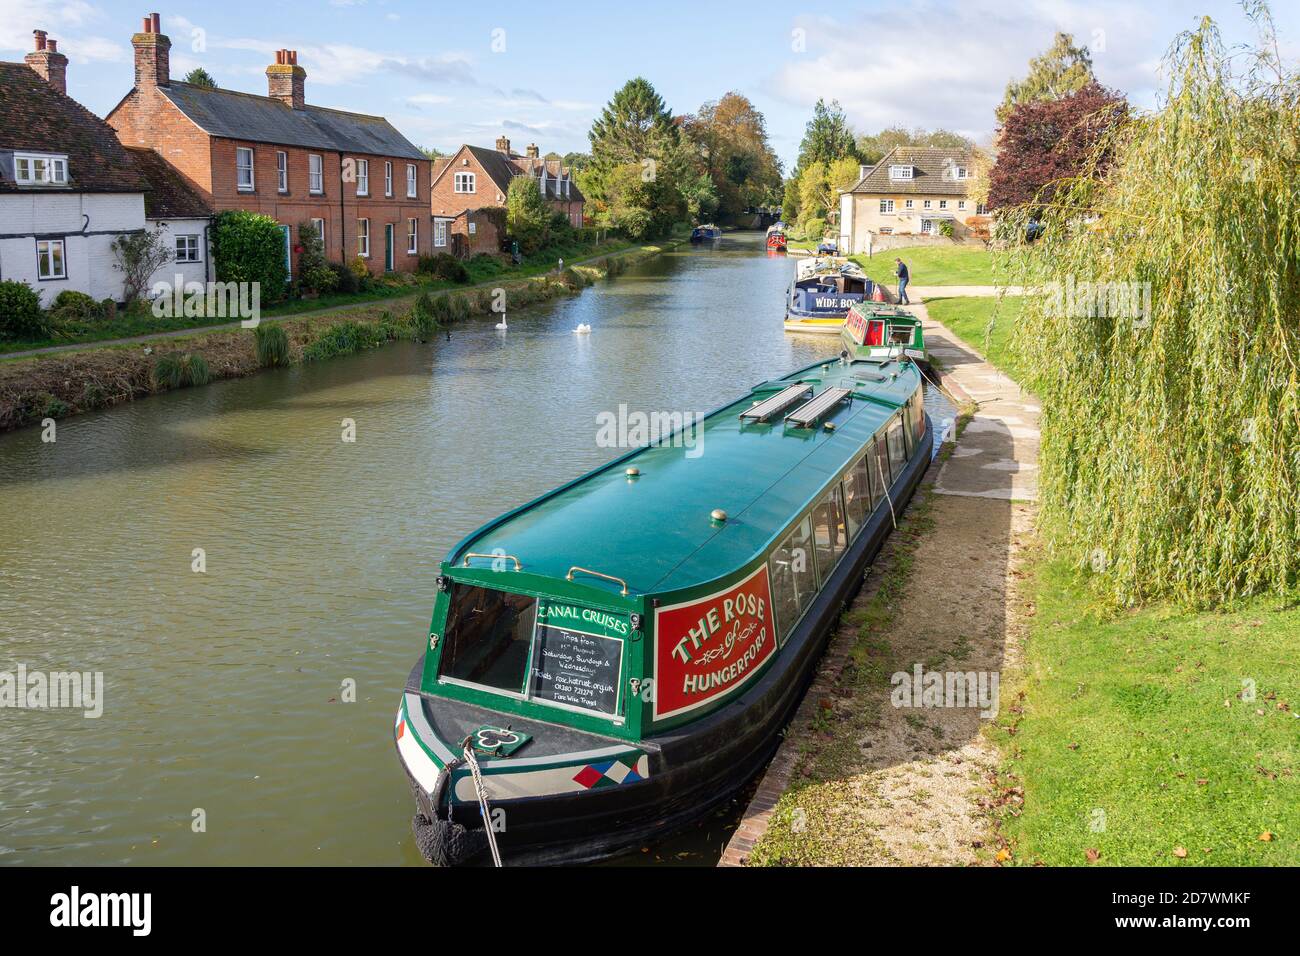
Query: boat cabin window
point(917, 418)
point(857, 497)
point(828, 529)
point(879, 463)
point(487, 637)
point(793, 580)
point(897, 447)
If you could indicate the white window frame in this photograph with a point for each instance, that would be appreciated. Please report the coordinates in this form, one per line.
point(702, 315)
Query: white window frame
point(886, 206)
point(907, 204)
point(943, 204)
point(412, 236)
point(191, 245)
point(315, 174)
point(412, 181)
point(926, 203)
point(388, 179)
point(53, 169)
point(240, 168)
point(363, 177)
point(282, 171)
point(981, 209)
point(49, 245)
point(440, 233)
point(961, 204)
point(900, 172)
point(465, 183)
point(960, 172)
point(320, 231)
point(363, 238)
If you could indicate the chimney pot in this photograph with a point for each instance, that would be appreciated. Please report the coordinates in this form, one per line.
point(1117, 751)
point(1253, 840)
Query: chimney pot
point(155, 21)
point(40, 39)
point(50, 65)
point(152, 54)
point(52, 46)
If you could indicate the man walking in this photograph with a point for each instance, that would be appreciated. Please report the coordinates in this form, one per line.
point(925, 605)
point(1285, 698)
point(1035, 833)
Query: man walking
point(900, 270)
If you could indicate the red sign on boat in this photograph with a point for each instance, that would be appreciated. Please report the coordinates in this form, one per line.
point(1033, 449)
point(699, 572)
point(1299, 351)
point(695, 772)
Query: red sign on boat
point(707, 647)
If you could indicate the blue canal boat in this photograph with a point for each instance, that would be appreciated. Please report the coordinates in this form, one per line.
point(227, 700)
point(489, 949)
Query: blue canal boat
point(705, 232)
point(823, 291)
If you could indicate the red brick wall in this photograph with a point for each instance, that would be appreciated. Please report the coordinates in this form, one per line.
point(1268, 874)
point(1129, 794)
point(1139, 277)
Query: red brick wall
point(147, 118)
point(445, 201)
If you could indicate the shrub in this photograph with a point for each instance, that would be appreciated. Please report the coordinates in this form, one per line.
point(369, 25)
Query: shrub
point(444, 266)
point(314, 273)
point(344, 338)
point(20, 312)
point(69, 304)
point(361, 270)
point(458, 307)
point(272, 345)
point(814, 229)
point(249, 247)
point(138, 256)
point(423, 319)
point(177, 370)
point(346, 279)
point(527, 215)
point(945, 228)
point(107, 310)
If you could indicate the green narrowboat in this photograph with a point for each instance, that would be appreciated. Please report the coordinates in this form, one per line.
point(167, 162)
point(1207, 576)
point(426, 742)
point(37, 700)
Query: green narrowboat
point(877, 330)
point(614, 659)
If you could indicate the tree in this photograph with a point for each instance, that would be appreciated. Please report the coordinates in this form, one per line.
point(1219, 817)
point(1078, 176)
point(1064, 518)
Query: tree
point(827, 136)
point(201, 77)
point(633, 127)
point(1062, 70)
point(872, 148)
point(1046, 143)
point(432, 152)
point(577, 162)
point(528, 217)
point(728, 139)
point(138, 256)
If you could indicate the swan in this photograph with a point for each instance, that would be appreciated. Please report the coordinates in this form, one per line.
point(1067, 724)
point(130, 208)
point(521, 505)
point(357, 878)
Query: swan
point(501, 326)
point(583, 329)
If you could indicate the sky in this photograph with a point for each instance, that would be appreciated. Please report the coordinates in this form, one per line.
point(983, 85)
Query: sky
point(447, 74)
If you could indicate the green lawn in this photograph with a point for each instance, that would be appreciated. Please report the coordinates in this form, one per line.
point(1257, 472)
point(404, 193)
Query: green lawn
point(933, 265)
point(984, 324)
point(1138, 738)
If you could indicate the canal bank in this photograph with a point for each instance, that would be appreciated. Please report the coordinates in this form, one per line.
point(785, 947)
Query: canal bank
point(868, 775)
point(58, 382)
point(256, 685)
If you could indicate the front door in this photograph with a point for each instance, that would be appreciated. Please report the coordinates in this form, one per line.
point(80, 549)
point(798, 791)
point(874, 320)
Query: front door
point(388, 247)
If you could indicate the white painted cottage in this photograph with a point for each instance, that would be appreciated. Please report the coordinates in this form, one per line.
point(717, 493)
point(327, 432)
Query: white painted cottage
point(69, 188)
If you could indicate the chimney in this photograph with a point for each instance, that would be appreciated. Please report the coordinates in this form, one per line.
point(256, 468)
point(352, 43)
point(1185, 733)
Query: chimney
point(48, 62)
point(532, 151)
point(152, 54)
point(503, 145)
point(286, 81)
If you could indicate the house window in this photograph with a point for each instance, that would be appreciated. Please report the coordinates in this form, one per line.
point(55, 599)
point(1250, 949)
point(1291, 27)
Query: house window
point(315, 174)
point(244, 169)
point(981, 210)
point(926, 204)
point(411, 190)
point(388, 179)
point(363, 238)
point(473, 227)
point(440, 232)
point(363, 177)
point(34, 170)
point(319, 225)
point(961, 204)
point(464, 183)
point(943, 204)
point(49, 259)
point(886, 205)
point(412, 236)
point(282, 170)
point(959, 172)
point(907, 204)
point(187, 248)
point(900, 172)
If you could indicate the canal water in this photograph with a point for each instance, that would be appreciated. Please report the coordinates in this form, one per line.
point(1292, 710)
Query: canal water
point(226, 734)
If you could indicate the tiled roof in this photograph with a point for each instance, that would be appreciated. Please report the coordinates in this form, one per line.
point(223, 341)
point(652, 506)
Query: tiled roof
point(170, 195)
point(36, 116)
point(501, 168)
point(263, 119)
point(928, 172)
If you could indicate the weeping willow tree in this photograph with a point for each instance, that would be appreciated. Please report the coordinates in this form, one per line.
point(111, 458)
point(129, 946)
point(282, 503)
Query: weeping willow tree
point(1162, 336)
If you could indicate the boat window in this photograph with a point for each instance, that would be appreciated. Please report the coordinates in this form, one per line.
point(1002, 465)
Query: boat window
point(487, 637)
point(918, 419)
point(793, 579)
point(897, 450)
point(880, 477)
point(857, 495)
point(828, 529)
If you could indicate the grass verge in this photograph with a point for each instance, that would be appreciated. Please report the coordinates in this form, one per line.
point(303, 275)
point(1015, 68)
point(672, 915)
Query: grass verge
point(932, 265)
point(982, 323)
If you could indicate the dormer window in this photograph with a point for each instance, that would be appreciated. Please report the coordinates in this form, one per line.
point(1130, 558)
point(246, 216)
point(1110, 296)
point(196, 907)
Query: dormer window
point(956, 172)
point(40, 169)
point(900, 172)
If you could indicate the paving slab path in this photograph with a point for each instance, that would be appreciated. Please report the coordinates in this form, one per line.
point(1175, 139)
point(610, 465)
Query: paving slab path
point(914, 785)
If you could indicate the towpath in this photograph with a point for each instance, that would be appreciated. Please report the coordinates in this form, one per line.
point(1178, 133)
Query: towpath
point(859, 781)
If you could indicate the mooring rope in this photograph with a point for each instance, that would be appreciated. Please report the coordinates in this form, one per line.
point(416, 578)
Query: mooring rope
point(885, 485)
point(481, 790)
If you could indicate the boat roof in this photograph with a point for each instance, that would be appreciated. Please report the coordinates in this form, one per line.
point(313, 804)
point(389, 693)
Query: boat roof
point(655, 531)
point(828, 265)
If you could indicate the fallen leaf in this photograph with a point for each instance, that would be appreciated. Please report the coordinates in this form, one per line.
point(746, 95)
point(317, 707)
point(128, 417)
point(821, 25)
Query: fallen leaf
point(1180, 852)
point(1201, 782)
point(1074, 746)
point(1003, 855)
point(1266, 837)
point(1092, 855)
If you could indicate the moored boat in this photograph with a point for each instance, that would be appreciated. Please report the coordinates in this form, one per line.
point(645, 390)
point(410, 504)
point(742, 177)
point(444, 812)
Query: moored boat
point(705, 232)
point(877, 330)
point(823, 291)
point(776, 238)
point(614, 659)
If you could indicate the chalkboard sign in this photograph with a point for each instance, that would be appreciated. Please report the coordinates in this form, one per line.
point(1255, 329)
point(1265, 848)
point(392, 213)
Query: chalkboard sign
point(576, 670)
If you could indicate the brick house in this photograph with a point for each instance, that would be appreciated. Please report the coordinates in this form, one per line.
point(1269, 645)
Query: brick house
point(68, 189)
point(475, 177)
point(361, 182)
point(911, 192)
